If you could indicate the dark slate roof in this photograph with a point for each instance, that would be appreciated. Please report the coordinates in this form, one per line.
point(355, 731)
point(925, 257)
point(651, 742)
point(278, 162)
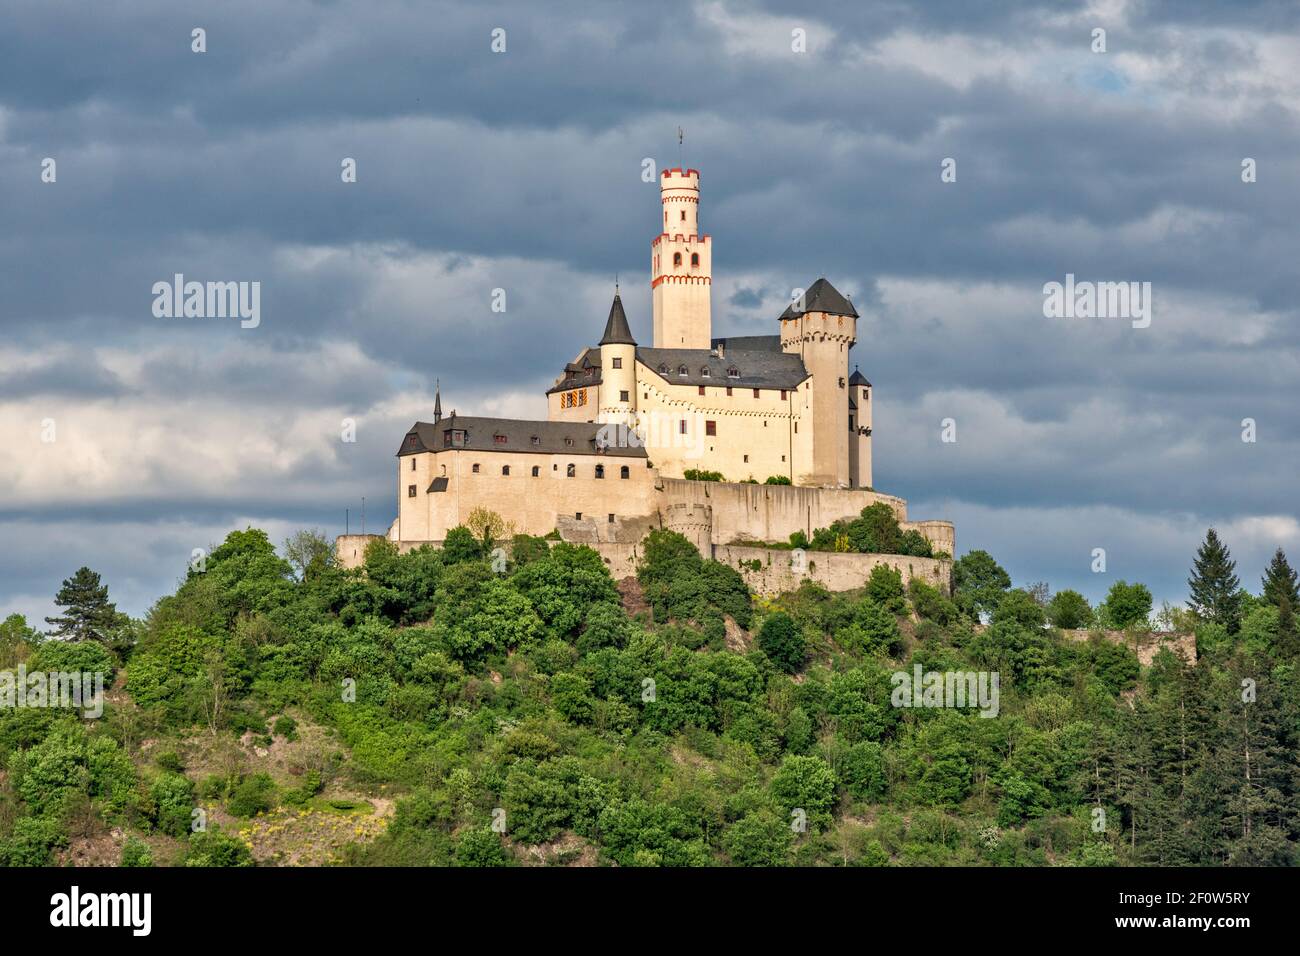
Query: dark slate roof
point(821, 296)
point(857, 378)
point(439, 484)
point(616, 328)
point(749, 343)
point(586, 369)
point(553, 437)
point(758, 369)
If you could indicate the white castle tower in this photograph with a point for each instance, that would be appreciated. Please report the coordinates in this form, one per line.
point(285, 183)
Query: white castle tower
point(681, 266)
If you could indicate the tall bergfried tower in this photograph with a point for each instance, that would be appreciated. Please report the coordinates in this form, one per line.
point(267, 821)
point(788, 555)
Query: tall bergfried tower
point(681, 266)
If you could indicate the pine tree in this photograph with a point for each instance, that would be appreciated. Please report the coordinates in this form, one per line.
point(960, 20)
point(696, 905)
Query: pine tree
point(1214, 584)
point(88, 614)
point(1280, 581)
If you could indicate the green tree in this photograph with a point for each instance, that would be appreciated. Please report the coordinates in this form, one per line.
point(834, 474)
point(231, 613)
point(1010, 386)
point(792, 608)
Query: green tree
point(1213, 586)
point(309, 551)
point(978, 582)
point(88, 615)
point(780, 639)
point(760, 838)
point(807, 784)
point(1069, 610)
point(1126, 605)
point(480, 846)
point(461, 545)
point(885, 587)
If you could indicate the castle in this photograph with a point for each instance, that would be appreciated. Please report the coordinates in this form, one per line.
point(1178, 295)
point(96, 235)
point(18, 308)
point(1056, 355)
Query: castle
point(630, 425)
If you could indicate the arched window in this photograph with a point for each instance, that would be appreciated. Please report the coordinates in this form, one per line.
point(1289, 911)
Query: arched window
point(536, 471)
point(624, 473)
point(571, 470)
point(681, 370)
point(695, 258)
point(677, 258)
point(505, 469)
point(600, 471)
point(663, 369)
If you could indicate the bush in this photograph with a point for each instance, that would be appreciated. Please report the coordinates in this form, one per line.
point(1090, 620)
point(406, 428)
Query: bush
point(215, 848)
point(286, 727)
point(930, 603)
point(1126, 605)
point(885, 587)
point(862, 771)
point(173, 796)
point(758, 839)
point(698, 474)
point(781, 641)
point(169, 761)
point(480, 847)
point(807, 784)
point(135, 852)
point(253, 795)
point(777, 480)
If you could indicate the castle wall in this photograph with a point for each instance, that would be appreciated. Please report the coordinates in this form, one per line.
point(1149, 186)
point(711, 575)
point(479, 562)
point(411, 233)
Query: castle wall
point(778, 570)
point(533, 504)
point(772, 512)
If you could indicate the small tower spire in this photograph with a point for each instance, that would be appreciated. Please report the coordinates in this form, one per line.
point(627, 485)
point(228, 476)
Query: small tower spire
point(437, 400)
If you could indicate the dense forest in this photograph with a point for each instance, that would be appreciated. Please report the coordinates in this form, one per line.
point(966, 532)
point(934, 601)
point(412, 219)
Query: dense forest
point(508, 703)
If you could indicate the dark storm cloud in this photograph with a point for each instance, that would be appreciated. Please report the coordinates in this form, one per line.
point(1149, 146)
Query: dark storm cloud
point(521, 172)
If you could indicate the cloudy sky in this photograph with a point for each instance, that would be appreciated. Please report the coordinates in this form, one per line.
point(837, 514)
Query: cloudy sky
point(521, 170)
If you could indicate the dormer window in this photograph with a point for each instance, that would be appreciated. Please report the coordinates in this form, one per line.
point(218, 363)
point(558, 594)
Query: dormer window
point(663, 369)
point(412, 441)
point(682, 371)
point(453, 438)
point(704, 372)
point(499, 439)
point(733, 372)
point(568, 441)
point(535, 440)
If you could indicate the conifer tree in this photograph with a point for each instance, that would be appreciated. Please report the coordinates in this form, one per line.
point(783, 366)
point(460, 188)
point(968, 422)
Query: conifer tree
point(1280, 591)
point(88, 614)
point(1214, 584)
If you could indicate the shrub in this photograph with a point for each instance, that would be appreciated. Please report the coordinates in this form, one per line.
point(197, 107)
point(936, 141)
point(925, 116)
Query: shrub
point(930, 603)
point(135, 852)
point(758, 839)
point(480, 847)
point(253, 795)
point(698, 474)
point(214, 848)
point(777, 480)
point(885, 587)
point(807, 784)
point(1126, 605)
point(173, 796)
point(169, 761)
point(286, 727)
point(862, 771)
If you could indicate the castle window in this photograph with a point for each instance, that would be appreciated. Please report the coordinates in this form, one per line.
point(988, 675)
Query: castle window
point(756, 393)
point(695, 259)
point(571, 470)
point(796, 428)
point(453, 438)
point(624, 473)
point(535, 440)
point(683, 215)
point(704, 372)
point(783, 395)
point(476, 469)
point(733, 372)
point(681, 427)
point(600, 471)
point(505, 470)
point(611, 519)
point(410, 491)
point(682, 371)
point(568, 441)
point(710, 428)
point(537, 472)
point(728, 391)
point(864, 393)
point(701, 389)
point(577, 515)
point(623, 396)
point(746, 459)
point(499, 439)
point(663, 369)
point(411, 441)
point(412, 464)
point(618, 363)
point(677, 258)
